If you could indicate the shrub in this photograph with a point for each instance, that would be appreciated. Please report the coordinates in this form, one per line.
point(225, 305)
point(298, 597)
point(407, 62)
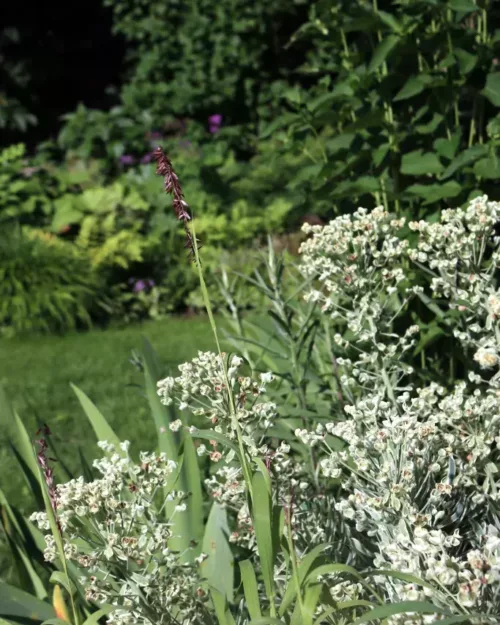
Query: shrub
point(345, 478)
point(45, 284)
point(403, 105)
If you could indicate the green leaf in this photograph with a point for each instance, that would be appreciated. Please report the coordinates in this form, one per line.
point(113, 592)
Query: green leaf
point(342, 142)
point(447, 147)
point(18, 605)
point(224, 616)
point(102, 429)
point(492, 88)
point(462, 6)
point(380, 153)
point(382, 51)
point(310, 602)
point(58, 577)
point(20, 549)
point(418, 163)
point(22, 444)
point(218, 568)
point(466, 61)
point(211, 435)
point(168, 441)
point(406, 577)
point(383, 611)
point(261, 512)
point(488, 168)
point(188, 524)
point(466, 157)
point(267, 620)
point(391, 21)
point(431, 126)
point(303, 570)
point(94, 618)
point(427, 337)
point(435, 192)
point(282, 121)
point(358, 186)
point(250, 589)
point(413, 86)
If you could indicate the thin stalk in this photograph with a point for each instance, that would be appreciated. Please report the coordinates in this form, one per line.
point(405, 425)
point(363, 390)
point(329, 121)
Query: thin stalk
point(293, 559)
point(208, 306)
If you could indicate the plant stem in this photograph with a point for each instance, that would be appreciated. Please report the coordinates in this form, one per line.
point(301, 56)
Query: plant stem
point(208, 306)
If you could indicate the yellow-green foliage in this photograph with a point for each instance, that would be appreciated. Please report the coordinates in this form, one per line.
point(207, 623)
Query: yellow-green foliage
point(109, 219)
point(45, 284)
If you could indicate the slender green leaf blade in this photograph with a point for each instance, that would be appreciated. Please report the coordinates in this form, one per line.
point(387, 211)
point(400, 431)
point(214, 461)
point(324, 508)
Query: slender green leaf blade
point(22, 607)
point(250, 589)
point(101, 427)
point(403, 607)
point(218, 568)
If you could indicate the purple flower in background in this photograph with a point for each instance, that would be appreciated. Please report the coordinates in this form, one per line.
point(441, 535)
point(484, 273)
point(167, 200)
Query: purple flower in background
point(127, 159)
point(141, 285)
point(214, 123)
point(147, 158)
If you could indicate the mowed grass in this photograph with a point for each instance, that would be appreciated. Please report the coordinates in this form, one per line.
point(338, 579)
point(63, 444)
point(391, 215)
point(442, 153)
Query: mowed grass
point(36, 373)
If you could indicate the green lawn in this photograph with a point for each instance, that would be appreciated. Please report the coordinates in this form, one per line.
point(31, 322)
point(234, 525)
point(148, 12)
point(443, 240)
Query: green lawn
point(36, 373)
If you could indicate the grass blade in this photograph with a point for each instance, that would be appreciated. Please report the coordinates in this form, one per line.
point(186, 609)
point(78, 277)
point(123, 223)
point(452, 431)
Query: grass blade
point(250, 589)
point(102, 429)
point(22, 607)
point(383, 611)
point(263, 524)
point(218, 568)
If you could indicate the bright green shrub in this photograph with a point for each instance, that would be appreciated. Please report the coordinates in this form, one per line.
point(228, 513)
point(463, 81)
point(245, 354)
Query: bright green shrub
point(46, 285)
point(108, 220)
point(26, 191)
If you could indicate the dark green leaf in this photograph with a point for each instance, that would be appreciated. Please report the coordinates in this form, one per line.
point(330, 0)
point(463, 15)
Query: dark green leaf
point(488, 168)
point(435, 192)
point(492, 88)
point(465, 158)
point(431, 126)
point(391, 21)
point(413, 86)
point(447, 147)
point(418, 163)
point(382, 51)
point(342, 142)
point(466, 61)
point(463, 6)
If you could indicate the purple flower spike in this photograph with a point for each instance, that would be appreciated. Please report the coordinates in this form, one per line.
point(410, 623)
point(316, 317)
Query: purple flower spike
point(127, 159)
point(214, 123)
point(139, 286)
point(147, 158)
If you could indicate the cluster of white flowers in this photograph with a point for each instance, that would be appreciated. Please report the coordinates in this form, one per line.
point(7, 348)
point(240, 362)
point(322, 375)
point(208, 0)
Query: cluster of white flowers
point(419, 472)
point(202, 388)
point(401, 477)
point(116, 529)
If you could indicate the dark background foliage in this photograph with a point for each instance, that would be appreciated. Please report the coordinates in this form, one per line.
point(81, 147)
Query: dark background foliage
point(272, 112)
point(55, 55)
